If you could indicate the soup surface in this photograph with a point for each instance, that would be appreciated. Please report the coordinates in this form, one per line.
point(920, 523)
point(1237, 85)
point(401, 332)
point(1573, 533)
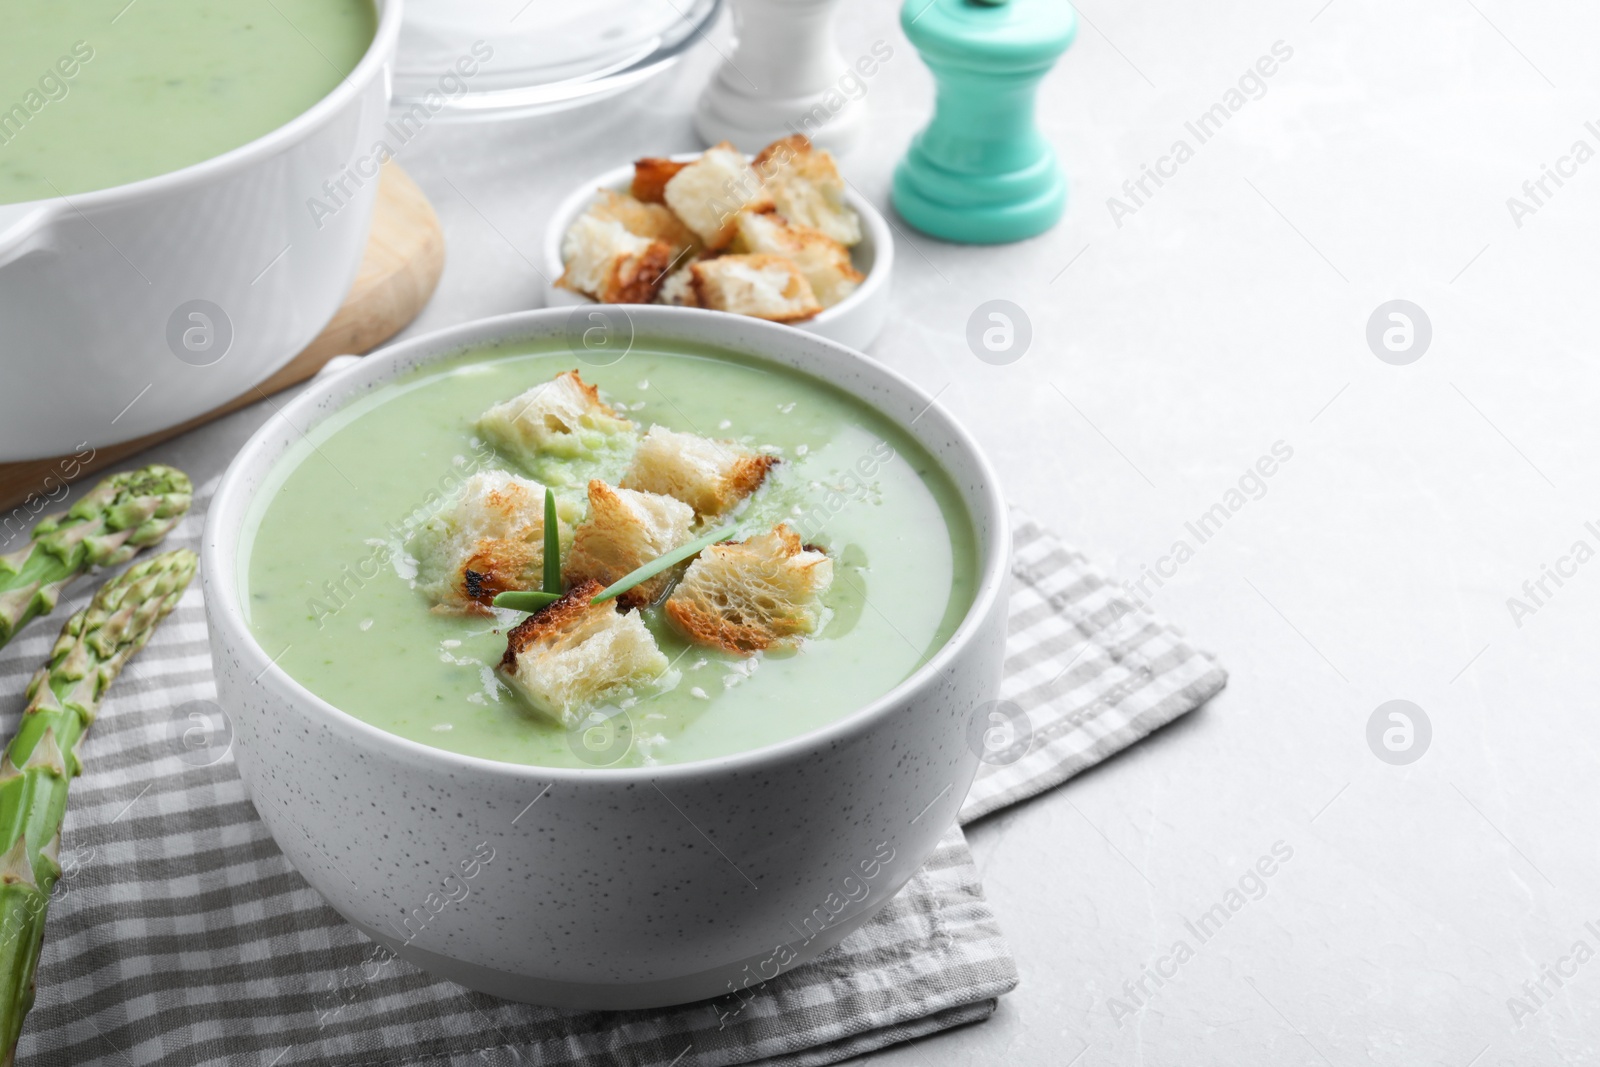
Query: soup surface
point(330, 585)
point(97, 93)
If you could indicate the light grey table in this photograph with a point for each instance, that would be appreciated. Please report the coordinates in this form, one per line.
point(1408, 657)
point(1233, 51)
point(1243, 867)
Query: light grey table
point(1173, 346)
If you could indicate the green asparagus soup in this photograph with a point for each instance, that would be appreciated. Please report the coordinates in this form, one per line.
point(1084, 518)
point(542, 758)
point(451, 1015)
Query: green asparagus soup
point(332, 594)
point(97, 93)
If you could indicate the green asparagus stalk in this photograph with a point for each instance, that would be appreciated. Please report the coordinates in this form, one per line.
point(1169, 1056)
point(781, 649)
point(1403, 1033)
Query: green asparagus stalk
point(42, 759)
point(106, 527)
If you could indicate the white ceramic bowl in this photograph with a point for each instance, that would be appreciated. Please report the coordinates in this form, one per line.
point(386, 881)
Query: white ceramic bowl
point(619, 888)
point(97, 289)
point(854, 322)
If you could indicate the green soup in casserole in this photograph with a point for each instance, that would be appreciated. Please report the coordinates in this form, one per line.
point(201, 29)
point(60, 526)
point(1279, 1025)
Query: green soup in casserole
point(97, 93)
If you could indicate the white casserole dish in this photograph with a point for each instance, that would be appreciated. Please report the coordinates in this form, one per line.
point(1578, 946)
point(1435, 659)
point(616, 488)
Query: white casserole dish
point(99, 291)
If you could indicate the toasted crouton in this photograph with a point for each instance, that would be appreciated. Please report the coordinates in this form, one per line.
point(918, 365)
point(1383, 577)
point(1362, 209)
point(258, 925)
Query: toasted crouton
point(625, 530)
point(752, 595)
point(762, 286)
point(779, 154)
point(824, 261)
point(709, 194)
point(710, 476)
point(606, 262)
point(488, 540)
point(806, 188)
point(650, 177)
point(678, 289)
point(654, 222)
point(568, 658)
point(563, 417)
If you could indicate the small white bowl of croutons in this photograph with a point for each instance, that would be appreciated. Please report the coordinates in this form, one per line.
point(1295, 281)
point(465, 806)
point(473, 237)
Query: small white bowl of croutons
point(778, 236)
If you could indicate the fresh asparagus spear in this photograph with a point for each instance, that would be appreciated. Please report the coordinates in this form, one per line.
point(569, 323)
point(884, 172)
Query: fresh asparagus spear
point(42, 759)
point(107, 526)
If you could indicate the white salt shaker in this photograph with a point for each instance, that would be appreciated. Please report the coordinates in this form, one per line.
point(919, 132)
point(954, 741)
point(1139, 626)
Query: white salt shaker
point(786, 75)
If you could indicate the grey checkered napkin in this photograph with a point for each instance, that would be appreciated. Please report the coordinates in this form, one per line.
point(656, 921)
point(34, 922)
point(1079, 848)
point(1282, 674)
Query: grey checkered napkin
point(1088, 672)
point(181, 936)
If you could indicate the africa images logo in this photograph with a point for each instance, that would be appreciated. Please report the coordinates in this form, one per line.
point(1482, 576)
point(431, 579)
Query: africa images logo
point(1251, 85)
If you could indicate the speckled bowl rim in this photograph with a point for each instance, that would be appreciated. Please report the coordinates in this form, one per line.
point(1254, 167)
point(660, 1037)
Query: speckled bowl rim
point(617, 179)
point(229, 506)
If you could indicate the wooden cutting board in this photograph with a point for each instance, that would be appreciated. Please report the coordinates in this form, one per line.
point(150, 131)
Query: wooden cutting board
point(400, 270)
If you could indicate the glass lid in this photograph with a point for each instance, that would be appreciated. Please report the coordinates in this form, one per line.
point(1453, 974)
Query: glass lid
point(496, 58)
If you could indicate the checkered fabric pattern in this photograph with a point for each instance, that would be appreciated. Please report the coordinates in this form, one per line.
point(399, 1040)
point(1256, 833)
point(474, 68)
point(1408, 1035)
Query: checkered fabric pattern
point(180, 935)
point(1091, 670)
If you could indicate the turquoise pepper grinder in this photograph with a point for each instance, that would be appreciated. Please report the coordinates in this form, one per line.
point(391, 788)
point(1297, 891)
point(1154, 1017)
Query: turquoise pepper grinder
point(981, 172)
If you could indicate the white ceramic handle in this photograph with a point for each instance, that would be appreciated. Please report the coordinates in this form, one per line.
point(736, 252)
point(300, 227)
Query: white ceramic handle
point(786, 75)
point(19, 223)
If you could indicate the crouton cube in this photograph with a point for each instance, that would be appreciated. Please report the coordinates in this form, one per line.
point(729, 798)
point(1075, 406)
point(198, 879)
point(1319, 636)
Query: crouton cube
point(806, 188)
point(489, 539)
point(625, 530)
point(710, 476)
point(747, 596)
point(574, 655)
point(678, 289)
point(709, 194)
point(654, 222)
point(607, 263)
point(779, 154)
point(761, 286)
point(563, 418)
point(650, 178)
point(824, 261)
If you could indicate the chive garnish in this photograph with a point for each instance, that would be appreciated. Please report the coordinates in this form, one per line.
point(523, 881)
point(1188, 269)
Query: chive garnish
point(661, 563)
point(552, 545)
point(520, 600)
point(528, 600)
